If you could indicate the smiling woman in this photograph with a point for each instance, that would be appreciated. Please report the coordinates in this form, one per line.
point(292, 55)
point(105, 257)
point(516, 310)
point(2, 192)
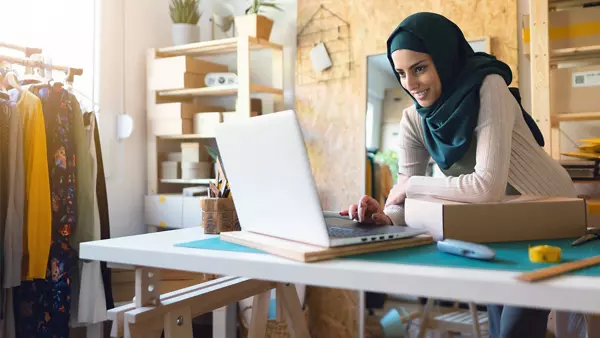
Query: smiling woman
point(465, 119)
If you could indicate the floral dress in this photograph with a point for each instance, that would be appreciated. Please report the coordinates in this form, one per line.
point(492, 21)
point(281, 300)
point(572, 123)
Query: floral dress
point(42, 306)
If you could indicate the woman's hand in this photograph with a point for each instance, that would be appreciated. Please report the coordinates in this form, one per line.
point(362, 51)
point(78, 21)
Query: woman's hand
point(398, 193)
point(367, 211)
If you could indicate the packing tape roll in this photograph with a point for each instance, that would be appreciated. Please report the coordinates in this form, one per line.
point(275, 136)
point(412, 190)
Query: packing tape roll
point(545, 254)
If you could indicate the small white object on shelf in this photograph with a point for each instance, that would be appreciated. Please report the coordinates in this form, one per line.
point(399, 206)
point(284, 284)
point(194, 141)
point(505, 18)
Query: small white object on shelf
point(205, 123)
point(220, 79)
point(190, 152)
point(194, 170)
point(170, 169)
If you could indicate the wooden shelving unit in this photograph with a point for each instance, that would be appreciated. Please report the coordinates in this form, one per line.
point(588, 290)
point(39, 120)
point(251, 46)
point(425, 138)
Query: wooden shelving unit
point(216, 91)
point(543, 60)
point(242, 91)
point(202, 181)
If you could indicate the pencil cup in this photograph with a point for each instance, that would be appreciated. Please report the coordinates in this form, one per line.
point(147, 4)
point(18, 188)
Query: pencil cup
point(218, 215)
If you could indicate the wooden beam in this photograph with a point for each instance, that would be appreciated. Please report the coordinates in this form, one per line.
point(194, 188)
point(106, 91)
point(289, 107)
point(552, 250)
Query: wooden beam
point(540, 68)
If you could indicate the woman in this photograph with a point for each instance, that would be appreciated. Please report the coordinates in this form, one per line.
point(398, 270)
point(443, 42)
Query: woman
point(465, 118)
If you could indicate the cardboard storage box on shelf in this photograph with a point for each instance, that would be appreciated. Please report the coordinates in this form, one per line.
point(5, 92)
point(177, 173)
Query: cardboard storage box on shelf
point(172, 127)
point(180, 72)
point(179, 110)
point(170, 170)
point(172, 211)
point(569, 29)
point(205, 123)
point(165, 211)
point(575, 90)
point(517, 218)
point(232, 115)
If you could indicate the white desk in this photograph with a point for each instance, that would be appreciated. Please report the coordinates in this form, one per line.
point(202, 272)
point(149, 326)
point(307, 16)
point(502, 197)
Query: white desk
point(157, 250)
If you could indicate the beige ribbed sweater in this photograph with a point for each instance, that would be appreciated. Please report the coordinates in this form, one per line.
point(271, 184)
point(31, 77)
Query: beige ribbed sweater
point(506, 153)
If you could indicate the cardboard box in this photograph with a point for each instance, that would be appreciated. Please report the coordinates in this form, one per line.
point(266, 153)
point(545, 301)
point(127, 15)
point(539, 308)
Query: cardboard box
point(569, 29)
point(180, 72)
point(179, 110)
point(172, 127)
point(165, 211)
point(518, 218)
point(173, 211)
point(192, 212)
point(575, 90)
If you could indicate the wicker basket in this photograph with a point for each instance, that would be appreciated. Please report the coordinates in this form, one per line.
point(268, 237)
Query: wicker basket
point(275, 328)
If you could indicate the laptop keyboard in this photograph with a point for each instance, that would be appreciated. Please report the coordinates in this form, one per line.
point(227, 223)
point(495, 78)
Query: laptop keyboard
point(339, 227)
point(343, 232)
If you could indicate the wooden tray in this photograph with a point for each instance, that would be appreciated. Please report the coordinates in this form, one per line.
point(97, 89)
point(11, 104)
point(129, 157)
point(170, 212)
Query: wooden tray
point(311, 253)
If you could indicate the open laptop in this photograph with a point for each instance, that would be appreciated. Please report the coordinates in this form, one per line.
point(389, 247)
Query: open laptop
point(268, 168)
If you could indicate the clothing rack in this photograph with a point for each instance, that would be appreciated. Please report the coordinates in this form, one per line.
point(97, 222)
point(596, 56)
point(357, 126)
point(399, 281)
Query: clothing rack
point(71, 72)
point(29, 51)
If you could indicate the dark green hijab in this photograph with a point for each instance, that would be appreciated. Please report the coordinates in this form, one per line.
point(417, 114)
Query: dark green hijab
point(450, 122)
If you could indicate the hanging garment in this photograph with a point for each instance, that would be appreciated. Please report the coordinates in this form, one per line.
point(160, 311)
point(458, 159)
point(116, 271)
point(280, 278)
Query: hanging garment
point(38, 216)
point(102, 208)
point(43, 305)
point(88, 302)
point(4, 166)
point(12, 182)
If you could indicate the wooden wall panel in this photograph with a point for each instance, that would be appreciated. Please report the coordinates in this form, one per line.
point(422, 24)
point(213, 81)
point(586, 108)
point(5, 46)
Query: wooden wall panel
point(332, 114)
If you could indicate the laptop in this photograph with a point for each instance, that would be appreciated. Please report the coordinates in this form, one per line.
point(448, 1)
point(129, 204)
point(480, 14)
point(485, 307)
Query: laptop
point(267, 166)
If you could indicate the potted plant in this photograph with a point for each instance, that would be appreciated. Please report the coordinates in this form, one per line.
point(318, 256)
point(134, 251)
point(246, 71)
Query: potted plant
point(253, 23)
point(185, 16)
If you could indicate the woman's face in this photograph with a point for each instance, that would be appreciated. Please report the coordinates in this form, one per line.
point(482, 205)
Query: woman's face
point(418, 75)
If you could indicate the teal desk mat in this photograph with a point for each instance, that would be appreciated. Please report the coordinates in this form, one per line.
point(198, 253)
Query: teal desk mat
point(509, 256)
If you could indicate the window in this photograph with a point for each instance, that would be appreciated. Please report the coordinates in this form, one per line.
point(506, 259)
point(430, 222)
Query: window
point(63, 29)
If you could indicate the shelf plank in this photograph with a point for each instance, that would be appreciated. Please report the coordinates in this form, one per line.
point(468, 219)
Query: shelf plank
point(556, 4)
point(220, 46)
point(573, 117)
point(194, 181)
point(217, 91)
point(565, 55)
point(185, 137)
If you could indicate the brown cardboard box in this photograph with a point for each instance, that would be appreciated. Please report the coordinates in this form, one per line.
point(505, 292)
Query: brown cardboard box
point(575, 90)
point(172, 127)
point(518, 218)
point(569, 29)
point(179, 110)
point(180, 72)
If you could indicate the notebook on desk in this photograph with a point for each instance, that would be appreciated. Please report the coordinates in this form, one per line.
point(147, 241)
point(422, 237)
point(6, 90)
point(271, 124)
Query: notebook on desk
point(274, 190)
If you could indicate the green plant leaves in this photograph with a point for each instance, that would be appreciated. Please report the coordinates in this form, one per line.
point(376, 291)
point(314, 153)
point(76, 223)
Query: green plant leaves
point(256, 6)
point(185, 11)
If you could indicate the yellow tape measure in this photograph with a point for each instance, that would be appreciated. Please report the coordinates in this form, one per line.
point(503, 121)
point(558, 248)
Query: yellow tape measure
point(544, 254)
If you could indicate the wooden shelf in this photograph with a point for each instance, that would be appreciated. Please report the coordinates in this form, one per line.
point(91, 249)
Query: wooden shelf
point(194, 181)
point(573, 117)
point(185, 137)
point(565, 55)
point(555, 4)
point(213, 47)
point(217, 91)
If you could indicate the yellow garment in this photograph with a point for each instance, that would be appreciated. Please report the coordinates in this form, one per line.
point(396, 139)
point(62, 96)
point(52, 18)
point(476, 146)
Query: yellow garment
point(38, 215)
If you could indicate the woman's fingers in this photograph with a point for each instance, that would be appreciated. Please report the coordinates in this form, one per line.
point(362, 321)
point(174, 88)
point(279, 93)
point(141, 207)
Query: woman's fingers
point(381, 219)
point(353, 211)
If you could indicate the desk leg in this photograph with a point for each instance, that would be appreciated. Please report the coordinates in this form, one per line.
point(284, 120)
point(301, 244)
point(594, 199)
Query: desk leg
point(293, 311)
point(224, 322)
point(260, 315)
point(362, 303)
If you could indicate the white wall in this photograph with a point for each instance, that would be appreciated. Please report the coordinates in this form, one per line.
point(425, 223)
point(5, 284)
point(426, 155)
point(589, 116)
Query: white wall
point(572, 131)
point(148, 25)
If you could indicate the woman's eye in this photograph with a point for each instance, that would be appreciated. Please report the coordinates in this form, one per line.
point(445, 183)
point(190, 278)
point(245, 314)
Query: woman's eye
point(420, 69)
point(401, 74)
